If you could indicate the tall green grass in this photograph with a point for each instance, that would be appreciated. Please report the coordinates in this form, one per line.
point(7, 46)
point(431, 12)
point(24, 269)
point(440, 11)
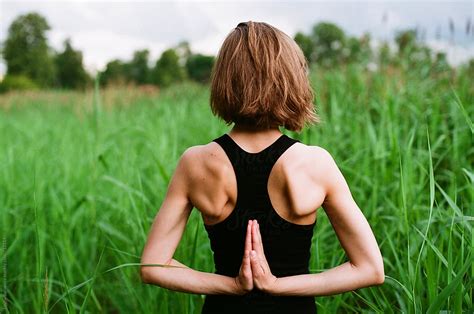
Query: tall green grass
point(82, 177)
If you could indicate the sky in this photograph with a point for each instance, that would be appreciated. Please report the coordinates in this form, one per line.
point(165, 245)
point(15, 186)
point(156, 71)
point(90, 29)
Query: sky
point(106, 30)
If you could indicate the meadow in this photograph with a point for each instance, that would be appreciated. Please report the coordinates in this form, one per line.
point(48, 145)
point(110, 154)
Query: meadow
point(82, 176)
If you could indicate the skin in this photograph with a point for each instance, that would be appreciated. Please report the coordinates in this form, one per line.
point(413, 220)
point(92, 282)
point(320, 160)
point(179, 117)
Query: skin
point(204, 179)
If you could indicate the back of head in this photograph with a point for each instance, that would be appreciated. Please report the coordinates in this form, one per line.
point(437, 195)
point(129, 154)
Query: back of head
point(260, 79)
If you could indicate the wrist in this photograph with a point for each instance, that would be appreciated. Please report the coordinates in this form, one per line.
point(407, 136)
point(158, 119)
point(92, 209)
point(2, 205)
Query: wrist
point(236, 287)
point(273, 287)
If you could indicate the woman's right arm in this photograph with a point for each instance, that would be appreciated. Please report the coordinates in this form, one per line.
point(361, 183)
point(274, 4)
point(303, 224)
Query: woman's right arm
point(165, 234)
point(365, 266)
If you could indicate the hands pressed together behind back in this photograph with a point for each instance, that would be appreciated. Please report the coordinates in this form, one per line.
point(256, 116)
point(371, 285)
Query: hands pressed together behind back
point(254, 271)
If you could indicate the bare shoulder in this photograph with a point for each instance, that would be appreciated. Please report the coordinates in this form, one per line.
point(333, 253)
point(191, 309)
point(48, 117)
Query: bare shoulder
point(331, 178)
point(315, 153)
point(206, 158)
point(314, 163)
point(207, 172)
point(206, 166)
point(312, 158)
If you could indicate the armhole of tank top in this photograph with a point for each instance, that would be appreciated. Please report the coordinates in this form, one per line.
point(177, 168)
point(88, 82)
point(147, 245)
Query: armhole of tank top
point(290, 142)
point(223, 143)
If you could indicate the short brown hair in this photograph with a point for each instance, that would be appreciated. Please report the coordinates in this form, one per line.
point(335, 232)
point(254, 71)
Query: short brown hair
point(260, 79)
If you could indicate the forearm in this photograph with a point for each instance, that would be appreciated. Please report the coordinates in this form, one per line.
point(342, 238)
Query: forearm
point(185, 279)
point(342, 278)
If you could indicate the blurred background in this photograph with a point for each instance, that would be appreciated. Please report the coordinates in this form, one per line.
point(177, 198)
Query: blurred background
point(98, 100)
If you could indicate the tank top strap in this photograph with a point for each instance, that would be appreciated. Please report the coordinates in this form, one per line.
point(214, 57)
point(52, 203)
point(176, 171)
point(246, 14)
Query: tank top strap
point(276, 150)
point(227, 145)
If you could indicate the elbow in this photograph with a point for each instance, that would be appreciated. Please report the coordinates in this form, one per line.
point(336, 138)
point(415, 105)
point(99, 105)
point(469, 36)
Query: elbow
point(150, 274)
point(378, 274)
point(147, 273)
point(374, 274)
point(144, 270)
point(144, 274)
point(379, 277)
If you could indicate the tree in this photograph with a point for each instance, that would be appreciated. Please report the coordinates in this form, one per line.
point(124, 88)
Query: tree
point(138, 70)
point(306, 45)
point(329, 41)
point(70, 71)
point(26, 51)
point(115, 73)
point(199, 67)
point(411, 53)
point(358, 49)
point(168, 69)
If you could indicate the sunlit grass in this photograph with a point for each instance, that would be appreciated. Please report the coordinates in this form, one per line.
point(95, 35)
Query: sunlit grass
point(81, 179)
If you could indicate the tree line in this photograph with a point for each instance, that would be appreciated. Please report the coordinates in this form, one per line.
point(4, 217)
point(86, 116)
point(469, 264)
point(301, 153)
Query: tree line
point(32, 63)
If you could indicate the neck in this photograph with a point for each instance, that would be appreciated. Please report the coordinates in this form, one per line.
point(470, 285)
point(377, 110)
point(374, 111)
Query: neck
point(244, 129)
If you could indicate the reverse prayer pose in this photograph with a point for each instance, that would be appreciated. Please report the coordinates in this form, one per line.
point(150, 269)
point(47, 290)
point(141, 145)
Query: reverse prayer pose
point(258, 191)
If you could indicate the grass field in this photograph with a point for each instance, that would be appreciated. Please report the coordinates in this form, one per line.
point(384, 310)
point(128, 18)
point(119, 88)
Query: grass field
point(82, 175)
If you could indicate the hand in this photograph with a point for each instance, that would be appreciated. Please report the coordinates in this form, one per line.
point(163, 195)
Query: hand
point(244, 280)
point(263, 278)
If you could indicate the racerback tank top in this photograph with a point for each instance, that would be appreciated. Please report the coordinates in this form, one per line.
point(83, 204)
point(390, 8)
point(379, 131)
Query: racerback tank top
point(287, 245)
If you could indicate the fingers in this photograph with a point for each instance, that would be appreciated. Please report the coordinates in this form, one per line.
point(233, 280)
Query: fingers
point(248, 237)
point(257, 239)
point(258, 245)
point(259, 234)
point(246, 265)
point(257, 269)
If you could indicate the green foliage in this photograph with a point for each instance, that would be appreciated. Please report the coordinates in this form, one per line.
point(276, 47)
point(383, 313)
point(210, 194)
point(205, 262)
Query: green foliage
point(358, 50)
point(199, 67)
point(115, 73)
point(440, 68)
point(406, 41)
point(70, 70)
point(441, 63)
point(306, 44)
point(384, 54)
point(16, 82)
point(470, 68)
point(329, 40)
point(411, 54)
point(137, 70)
point(26, 51)
point(168, 69)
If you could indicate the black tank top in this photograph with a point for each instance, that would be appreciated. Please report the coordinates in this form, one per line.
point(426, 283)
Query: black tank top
point(287, 245)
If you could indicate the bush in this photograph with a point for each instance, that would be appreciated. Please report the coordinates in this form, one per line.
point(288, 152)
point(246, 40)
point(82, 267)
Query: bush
point(16, 82)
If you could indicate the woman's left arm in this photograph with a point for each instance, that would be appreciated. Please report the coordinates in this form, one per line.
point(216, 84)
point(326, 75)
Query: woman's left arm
point(165, 234)
point(365, 266)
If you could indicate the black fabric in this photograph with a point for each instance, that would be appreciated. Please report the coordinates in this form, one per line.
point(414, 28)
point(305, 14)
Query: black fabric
point(287, 245)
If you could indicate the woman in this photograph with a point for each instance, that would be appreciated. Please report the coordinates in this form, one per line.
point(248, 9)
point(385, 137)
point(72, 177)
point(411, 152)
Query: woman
point(258, 190)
